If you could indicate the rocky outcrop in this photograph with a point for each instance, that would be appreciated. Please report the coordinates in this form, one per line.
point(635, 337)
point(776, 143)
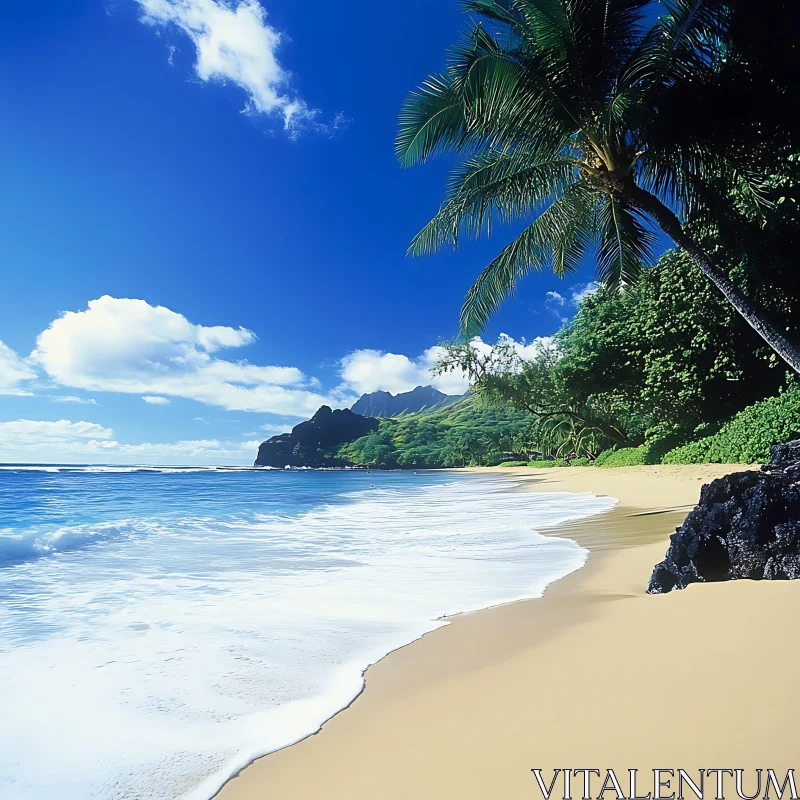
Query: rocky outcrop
point(310, 444)
point(747, 525)
point(386, 405)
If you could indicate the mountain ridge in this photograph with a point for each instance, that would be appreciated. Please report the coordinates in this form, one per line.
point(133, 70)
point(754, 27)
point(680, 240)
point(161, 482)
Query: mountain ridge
point(384, 405)
point(311, 443)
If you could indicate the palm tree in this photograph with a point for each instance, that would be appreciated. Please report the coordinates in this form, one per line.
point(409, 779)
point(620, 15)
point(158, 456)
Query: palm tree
point(554, 108)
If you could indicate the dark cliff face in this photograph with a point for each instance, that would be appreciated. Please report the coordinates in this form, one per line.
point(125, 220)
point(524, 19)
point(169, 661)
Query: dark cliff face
point(747, 525)
point(386, 405)
point(305, 445)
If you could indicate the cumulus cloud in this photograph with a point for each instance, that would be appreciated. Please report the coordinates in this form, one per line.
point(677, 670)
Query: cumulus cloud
point(562, 307)
point(14, 372)
point(67, 442)
point(235, 43)
point(126, 345)
point(365, 371)
point(155, 401)
point(582, 291)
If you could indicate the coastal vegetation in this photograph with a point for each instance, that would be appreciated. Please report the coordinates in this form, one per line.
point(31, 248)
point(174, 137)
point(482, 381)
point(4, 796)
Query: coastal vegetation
point(605, 129)
point(467, 433)
point(597, 128)
point(664, 372)
point(597, 124)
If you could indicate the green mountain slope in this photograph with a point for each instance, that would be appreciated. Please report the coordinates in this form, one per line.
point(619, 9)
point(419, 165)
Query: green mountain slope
point(462, 434)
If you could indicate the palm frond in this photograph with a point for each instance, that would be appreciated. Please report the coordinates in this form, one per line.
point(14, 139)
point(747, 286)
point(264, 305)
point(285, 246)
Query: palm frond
point(489, 186)
point(558, 238)
point(432, 120)
point(548, 24)
point(511, 98)
point(675, 47)
point(502, 11)
point(626, 242)
point(620, 23)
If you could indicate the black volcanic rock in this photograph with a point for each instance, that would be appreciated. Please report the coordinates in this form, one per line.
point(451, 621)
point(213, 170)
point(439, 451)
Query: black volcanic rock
point(386, 405)
point(308, 442)
point(747, 525)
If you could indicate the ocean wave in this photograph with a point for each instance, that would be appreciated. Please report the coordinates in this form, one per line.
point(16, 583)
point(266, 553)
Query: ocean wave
point(244, 621)
point(17, 547)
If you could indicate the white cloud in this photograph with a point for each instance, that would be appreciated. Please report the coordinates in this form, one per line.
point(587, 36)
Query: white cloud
point(556, 303)
point(25, 436)
point(366, 371)
point(13, 372)
point(67, 442)
point(188, 452)
point(155, 401)
point(71, 398)
point(235, 43)
point(125, 345)
point(35, 431)
point(581, 292)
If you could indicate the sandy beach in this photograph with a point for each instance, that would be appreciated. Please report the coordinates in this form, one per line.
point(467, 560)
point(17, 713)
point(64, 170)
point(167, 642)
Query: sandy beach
point(596, 674)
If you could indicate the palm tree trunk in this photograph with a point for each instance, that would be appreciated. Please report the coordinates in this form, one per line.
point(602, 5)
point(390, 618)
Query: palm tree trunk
point(753, 314)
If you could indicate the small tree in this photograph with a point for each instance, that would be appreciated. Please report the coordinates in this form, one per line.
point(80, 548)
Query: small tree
point(500, 375)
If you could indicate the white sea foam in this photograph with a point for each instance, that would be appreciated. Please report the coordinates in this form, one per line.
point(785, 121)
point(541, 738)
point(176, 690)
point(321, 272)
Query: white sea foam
point(18, 546)
point(158, 663)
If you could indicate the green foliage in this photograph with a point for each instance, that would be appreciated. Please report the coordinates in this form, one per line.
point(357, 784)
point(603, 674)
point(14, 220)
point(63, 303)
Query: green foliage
point(560, 462)
point(747, 438)
point(579, 120)
point(463, 434)
point(669, 352)
point(570, 137)
point(374, 449)
point(626, 457)
point(655, 362)
point(514, 464)
point(561, 426)
point(633, 376)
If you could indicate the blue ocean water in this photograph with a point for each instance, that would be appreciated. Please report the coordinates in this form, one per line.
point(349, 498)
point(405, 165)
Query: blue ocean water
point(161, 628)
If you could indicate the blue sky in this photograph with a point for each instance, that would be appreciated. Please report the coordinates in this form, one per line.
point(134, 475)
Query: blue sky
point(201, 207)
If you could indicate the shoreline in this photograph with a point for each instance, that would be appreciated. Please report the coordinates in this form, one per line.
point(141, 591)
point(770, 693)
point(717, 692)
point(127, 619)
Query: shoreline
point(508, 484)
point(458, 712)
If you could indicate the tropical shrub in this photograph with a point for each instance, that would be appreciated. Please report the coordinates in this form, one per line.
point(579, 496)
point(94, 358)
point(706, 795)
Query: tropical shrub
point(747, 438)
point(560, 426)
point(514, 464)
point(624, 457)
point(670, 351)
point(650, 452)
